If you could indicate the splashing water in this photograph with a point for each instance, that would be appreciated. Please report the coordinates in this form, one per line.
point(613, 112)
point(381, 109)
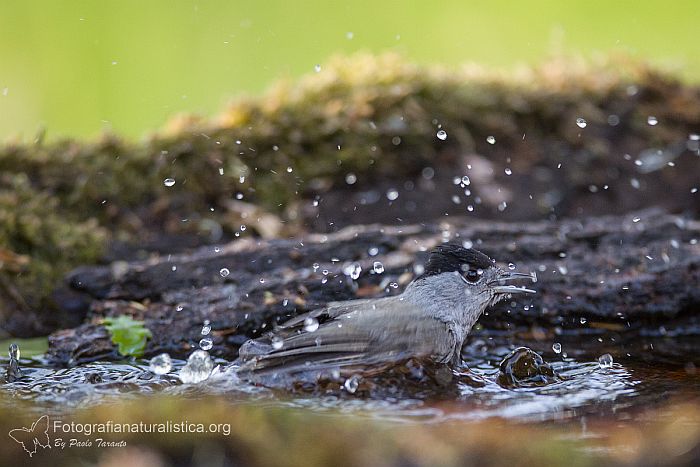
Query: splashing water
point(605, 361)
point(198, 368)
point(160, 364)
point(475, 390)
point(311, 324)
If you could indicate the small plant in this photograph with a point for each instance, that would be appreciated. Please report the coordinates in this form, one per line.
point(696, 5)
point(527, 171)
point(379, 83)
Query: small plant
point(128, 334)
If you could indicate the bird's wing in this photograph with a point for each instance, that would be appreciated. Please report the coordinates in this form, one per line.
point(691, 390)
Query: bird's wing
point(330, 311)
point(364, 333)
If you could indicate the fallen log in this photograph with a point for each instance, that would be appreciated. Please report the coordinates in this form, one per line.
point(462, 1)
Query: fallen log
point(625, 272)
point(356, 144)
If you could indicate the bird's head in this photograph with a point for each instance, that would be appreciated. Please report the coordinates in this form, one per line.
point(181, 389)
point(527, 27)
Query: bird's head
point(464, 272)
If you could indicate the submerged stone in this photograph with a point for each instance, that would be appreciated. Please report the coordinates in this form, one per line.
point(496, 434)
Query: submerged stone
point(524, 367)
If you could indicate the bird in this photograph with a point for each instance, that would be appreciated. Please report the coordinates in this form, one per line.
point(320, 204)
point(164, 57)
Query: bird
point(429, 320)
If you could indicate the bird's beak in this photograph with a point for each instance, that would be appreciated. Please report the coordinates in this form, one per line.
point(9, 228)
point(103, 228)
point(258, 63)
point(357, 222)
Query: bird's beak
point(498, 285)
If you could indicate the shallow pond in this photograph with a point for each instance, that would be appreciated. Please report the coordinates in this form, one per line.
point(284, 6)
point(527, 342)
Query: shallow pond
point(647, 371)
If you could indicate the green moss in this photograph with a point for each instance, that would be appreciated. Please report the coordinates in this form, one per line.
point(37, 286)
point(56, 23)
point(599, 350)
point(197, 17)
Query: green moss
point(42, 240)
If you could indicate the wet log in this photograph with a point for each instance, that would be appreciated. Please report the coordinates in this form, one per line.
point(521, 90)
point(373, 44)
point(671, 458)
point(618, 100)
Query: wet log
point(616, 272)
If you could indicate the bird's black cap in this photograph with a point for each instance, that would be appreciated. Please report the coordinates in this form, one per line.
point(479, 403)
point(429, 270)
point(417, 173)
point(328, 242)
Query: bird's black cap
point(450, 257)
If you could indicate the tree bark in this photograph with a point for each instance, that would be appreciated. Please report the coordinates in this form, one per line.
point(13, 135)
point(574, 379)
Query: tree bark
point(624, 272)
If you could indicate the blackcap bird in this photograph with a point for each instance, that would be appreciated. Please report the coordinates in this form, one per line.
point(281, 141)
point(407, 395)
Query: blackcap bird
point(429, 320)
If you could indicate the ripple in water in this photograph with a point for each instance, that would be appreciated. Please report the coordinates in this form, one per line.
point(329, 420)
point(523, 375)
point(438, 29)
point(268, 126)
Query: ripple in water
point(522, 386)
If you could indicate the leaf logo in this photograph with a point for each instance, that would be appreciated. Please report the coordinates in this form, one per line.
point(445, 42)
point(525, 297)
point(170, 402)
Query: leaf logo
point(34, 436)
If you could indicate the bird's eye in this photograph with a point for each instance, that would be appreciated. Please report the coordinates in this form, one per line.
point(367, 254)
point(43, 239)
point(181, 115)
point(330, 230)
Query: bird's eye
point(472, 275)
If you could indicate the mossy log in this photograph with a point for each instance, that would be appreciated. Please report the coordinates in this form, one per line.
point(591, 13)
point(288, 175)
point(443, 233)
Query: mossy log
point(626, 272)
point(565, 139)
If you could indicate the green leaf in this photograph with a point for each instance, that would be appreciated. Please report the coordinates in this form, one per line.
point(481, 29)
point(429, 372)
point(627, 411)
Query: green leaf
point(128, 334)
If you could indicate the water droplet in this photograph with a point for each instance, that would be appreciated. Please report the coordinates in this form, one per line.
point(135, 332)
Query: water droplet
point(315, 266)
point(206, 329)
point(373, 251)
point(583, 320)
point(394, 285)
point(224, 272)
point(206, 343)
point(179, 308)
point(491, 140)
point(243, 227)
point(508, 171)
point(651, 120)
point(198, 368)
point(325, 272)
point(352, 383)
point(160, 364)
point(378, 267)
point(14, 351)
point(277, 342)
point(581, 123)
point(392, 194)
point(442, 135)
point(636, 219)
point(465, 180)
point(221, 170)
point(317, 68)
point(556, 347)
point(511, 266)
point(310, 324)
point(605, 361)
point(355, 271)
point(502, 206)
point(262, 280)
point(350, 178)
point(470, 208)
point(290, 170)
point(169, 182)
point(455, 199)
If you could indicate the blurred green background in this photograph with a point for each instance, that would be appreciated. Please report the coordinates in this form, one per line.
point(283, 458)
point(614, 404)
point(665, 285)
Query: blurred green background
point(78, 67)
